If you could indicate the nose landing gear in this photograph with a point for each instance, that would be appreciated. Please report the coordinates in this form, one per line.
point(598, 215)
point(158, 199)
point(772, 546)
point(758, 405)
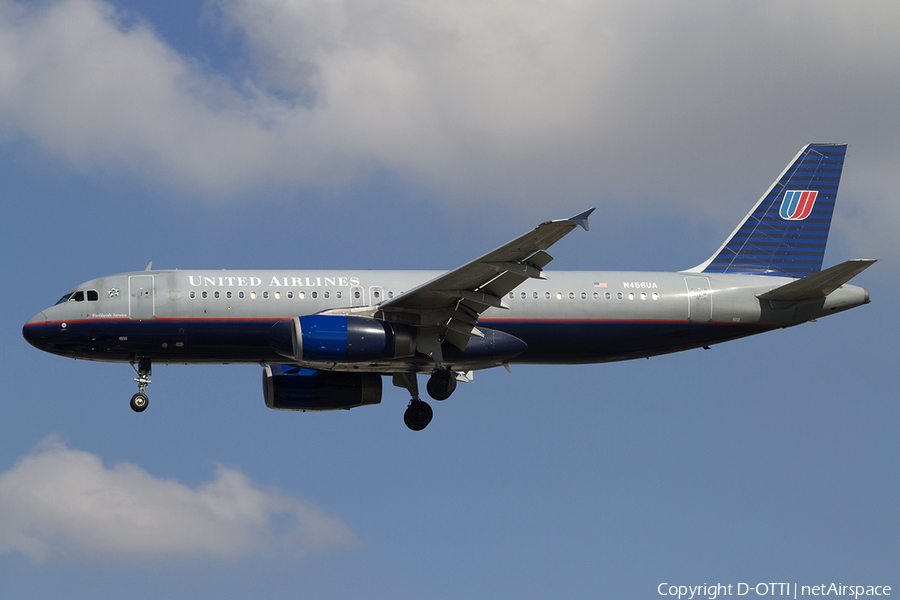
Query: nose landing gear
point(140, 400)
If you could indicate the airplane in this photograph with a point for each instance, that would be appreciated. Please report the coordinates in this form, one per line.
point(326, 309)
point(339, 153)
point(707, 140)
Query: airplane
point(325, 339)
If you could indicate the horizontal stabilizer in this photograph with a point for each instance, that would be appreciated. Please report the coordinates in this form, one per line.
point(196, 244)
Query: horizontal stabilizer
point(819, 284)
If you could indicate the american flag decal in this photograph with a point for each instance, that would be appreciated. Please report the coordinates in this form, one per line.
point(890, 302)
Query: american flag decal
point(599, 284)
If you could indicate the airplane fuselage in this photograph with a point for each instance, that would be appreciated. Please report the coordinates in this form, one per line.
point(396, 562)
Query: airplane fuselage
point(571, 317)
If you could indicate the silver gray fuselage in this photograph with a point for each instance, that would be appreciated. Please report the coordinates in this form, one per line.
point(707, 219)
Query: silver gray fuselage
point(572, 317)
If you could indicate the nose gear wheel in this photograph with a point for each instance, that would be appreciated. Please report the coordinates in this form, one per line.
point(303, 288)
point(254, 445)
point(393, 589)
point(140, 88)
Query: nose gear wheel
point(139, 402)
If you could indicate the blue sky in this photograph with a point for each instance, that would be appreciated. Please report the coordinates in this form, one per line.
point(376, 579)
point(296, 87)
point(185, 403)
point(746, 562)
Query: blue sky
point(292, 134)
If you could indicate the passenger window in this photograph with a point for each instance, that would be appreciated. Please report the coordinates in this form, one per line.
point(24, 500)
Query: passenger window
point(278, 295)
point(619, 295)
point(547, 295)
point(216, 294)
point(228, 295)
point(583, 295)
point(327, 294)
point(338, 294)
point(571, 295)
point(390, 294)
point(607, 295)
point(524, 295)
point(511, 295)
point(596, 295)
point(240, 294)
point(375, 293)
point(290, 295)
point(535, 295)
point(315, 295)
point(302, 295)
point(193, 294)
point(92, 295)
point(356, 294)
point(253, 295)
point(265, 294)
point(204, 294)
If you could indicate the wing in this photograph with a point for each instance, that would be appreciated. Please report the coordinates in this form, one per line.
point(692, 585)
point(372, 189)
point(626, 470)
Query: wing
point(448, 306)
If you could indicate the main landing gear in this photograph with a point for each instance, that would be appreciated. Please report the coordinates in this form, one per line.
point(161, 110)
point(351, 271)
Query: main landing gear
point(140, 400)
point(418, 415)
point(440, 385)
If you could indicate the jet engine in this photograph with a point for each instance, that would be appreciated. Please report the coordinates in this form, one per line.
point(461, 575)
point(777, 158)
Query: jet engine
point(293, 388)
point(342, 339)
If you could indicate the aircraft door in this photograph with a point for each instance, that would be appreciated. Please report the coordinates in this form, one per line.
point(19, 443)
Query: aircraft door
point(358, 296)
point(141, 305)
point(376, 294)
point(699, 300)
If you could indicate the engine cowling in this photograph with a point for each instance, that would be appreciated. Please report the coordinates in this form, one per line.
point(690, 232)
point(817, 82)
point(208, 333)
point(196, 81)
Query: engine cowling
point(292, 388)
point(342, 339)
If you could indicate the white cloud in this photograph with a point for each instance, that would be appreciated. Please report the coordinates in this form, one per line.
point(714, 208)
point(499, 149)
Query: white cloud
point(518, 102)
point(80, 83)
point(63, 503)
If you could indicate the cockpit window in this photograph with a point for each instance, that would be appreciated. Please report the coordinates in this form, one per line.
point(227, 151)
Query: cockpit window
point(79, 296)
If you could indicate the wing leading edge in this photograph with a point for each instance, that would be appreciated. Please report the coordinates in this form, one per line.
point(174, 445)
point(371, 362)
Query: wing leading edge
point(448, 306)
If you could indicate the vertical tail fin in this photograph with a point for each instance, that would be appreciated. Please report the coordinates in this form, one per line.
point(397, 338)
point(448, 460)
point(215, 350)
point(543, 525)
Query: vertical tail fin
point(786, 232)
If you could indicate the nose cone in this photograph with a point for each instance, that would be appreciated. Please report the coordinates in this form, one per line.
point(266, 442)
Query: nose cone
point(34, 330)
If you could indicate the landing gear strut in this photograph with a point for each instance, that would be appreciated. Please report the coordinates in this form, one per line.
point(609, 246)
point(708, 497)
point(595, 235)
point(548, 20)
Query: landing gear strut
point(140, 400)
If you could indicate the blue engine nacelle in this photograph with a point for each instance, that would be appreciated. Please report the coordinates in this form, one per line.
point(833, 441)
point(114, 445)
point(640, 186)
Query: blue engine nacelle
point(293, 388)
point(342, 339)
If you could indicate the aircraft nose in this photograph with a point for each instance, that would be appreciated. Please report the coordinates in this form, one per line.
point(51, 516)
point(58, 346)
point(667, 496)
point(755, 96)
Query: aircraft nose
point(33, 328)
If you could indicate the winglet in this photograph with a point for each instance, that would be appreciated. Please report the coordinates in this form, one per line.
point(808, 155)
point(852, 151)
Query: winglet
point(582, 219)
